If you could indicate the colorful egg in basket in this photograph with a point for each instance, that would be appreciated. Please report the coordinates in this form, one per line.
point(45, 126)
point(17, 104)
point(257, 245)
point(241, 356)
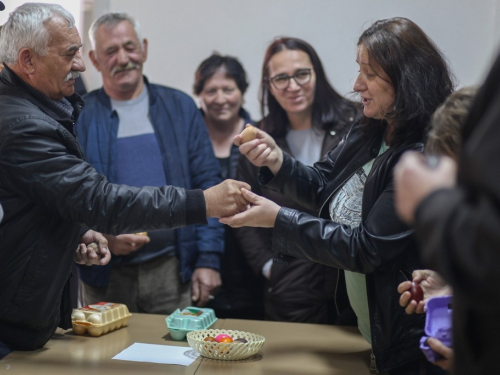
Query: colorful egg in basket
point(232, 351)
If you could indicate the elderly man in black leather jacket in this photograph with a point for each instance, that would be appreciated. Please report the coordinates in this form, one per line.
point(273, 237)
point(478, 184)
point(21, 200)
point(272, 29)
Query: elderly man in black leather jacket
point(50, 195)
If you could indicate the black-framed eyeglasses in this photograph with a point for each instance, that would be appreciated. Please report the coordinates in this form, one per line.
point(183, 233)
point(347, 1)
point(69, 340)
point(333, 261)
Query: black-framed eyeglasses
point(282, 81)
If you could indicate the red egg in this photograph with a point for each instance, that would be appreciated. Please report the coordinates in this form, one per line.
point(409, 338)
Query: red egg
point(223, 338)
point(417, 294)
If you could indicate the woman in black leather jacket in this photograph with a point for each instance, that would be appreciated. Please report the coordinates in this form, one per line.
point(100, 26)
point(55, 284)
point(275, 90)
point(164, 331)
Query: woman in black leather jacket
point(403, 78)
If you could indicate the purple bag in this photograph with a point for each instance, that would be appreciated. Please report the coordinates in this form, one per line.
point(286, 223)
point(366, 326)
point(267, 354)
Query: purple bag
point(437, 325)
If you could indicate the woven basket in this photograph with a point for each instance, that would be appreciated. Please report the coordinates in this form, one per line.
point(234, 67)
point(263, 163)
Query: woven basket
point(225, 351)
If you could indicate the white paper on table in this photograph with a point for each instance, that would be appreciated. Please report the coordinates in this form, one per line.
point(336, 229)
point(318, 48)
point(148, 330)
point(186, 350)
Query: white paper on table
point(171, 355)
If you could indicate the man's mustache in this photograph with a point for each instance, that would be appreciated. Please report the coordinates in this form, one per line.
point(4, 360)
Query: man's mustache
point(72, 75)
point(131, 65)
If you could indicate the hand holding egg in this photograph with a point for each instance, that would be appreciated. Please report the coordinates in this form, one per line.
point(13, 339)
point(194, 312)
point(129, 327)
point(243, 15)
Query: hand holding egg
point(416, 292)
point(248, 134)
point(93, 249)
point(259, 148)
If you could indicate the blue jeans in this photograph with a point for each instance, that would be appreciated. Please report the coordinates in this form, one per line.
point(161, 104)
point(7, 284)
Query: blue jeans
point(4, 350)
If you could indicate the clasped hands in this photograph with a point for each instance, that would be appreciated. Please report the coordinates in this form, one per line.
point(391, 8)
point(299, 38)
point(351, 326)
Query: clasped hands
point(93, 249)
point(235, 205)
point(233, 202)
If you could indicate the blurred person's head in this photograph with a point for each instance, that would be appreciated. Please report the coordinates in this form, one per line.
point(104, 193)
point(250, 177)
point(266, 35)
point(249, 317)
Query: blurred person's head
point(294, 83)
point(403, 78)
point(41, 44)
point(118, 53)
point(220, 83)
point(445, 135)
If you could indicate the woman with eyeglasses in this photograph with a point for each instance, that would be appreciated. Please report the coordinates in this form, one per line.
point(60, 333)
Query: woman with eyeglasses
point(308, 118)
point(402, 79)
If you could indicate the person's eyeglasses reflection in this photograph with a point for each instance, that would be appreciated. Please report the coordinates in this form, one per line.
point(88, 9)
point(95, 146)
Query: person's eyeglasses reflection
point(282, 81)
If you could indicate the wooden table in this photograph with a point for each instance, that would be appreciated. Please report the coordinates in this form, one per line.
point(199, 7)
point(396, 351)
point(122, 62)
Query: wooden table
point(290, 348)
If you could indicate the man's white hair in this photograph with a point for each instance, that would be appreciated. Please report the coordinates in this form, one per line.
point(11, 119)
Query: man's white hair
point(25, 28)
point(110, 20)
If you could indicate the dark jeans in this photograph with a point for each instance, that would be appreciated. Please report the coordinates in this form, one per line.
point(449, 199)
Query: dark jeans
point(4, 350)
point(422, 367)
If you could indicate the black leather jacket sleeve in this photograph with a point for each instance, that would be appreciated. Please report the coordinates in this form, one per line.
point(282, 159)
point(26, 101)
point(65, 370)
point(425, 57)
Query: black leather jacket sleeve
point(380, 238)
point(362, 249)
point(42, 161)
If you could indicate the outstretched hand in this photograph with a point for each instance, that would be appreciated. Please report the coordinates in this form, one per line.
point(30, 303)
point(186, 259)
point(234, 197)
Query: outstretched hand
point(432, 285)
point(124, 244)
point(262, 212)
point(225, 199)
point(261, 151)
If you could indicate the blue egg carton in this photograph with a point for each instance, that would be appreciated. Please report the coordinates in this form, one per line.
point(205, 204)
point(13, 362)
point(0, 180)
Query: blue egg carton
point(191, 318)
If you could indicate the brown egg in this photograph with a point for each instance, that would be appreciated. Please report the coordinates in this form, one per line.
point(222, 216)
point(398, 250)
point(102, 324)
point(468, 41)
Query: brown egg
point(95, 247)
point(249, 133)
point(210, 338)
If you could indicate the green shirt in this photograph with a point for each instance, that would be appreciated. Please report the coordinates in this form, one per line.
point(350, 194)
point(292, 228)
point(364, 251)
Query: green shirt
point(345, 208)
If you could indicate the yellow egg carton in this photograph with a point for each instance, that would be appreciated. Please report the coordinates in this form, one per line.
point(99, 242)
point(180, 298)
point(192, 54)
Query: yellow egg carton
point(99, 318)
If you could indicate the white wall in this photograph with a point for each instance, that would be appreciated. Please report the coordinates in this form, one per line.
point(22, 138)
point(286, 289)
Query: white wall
point(73, 6)
point(182, 33)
